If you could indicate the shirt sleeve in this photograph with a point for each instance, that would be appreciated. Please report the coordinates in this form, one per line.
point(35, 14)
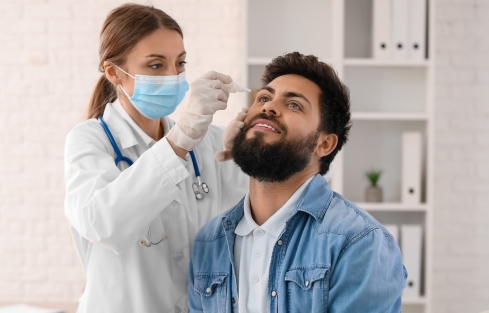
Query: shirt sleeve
point(110, 207)
point(369, 276)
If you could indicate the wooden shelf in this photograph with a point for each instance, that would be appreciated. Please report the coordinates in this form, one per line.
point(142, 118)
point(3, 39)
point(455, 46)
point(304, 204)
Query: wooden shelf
point(414, 301)
point(392, 207)
point(385, 63)
point(387, 116)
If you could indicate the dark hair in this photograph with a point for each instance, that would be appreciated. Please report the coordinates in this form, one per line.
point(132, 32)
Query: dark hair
point(334, 100)
point(123, 28)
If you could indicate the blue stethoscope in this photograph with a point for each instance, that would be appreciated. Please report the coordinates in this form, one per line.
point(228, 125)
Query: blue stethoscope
point(200, 188)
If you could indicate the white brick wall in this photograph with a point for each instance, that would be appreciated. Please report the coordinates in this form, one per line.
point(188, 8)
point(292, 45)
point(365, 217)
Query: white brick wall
point(461, 219)
point(48, 68)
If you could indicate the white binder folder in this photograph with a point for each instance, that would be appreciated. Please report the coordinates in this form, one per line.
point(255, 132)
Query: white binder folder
point(393, 229)
point(399, 22)
point(381, 29)
point(411, 168)
point(411, 245)
point(417, 29)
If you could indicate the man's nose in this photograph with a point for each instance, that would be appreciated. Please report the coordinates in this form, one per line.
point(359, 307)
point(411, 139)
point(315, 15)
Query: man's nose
point(270, 108)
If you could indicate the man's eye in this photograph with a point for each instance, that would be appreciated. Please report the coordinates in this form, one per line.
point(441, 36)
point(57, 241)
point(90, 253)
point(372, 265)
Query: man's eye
point(263, 99)
point(294, 106)
point(156, 66)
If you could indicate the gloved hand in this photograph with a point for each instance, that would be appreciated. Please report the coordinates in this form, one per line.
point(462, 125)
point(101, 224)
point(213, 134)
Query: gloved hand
point(207, 94)
point(231, 131)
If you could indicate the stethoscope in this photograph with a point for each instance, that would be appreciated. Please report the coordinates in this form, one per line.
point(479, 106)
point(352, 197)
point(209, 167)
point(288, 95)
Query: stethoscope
point(200, 188)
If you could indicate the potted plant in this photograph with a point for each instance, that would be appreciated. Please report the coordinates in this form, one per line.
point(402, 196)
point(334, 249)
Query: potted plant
point(373, 192)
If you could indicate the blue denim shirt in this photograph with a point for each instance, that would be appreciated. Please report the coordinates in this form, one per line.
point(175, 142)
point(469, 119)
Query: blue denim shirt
point(330, 257)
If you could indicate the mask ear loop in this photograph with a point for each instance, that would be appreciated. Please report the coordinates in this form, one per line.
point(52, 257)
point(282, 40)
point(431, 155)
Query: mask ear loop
point(122, 88)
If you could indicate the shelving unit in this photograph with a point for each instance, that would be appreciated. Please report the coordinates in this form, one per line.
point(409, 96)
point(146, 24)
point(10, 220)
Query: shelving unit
point(388, 97)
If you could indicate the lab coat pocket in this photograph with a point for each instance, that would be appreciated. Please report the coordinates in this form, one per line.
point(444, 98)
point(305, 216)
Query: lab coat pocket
point(307, 287)
point(212, 290)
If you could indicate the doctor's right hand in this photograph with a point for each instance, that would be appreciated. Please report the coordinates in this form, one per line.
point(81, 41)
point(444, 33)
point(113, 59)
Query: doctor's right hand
point(207, 95)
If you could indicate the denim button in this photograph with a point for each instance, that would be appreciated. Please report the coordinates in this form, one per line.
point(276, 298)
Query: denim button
point(233, 300)
point(307, 283)
point(279, 242)
point(274, 293)
point(208, 290)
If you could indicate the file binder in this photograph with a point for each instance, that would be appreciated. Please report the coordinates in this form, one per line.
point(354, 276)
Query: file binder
point(411, 168)
point(417, 29)
point(411, 245)
point(381, 29)
point(399, 21)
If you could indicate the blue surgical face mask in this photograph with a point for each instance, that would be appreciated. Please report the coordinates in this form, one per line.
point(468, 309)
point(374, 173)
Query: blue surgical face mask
point(157, 96)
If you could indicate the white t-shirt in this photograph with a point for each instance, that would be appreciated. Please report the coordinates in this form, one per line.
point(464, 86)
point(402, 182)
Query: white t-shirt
point(253, 253)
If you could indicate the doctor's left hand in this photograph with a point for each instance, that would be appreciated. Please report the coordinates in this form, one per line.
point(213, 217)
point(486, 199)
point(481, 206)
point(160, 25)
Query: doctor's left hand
point(232, 130)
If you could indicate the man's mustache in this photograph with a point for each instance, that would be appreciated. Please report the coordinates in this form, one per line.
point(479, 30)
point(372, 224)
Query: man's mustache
point(281, 128)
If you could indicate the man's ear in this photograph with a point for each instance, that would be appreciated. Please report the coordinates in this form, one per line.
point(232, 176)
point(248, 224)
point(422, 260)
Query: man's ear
point(326, 144)
point(111, 73)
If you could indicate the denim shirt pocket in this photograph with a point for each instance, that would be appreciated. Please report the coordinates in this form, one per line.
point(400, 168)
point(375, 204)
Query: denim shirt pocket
point(307, 288)
point(212, 290)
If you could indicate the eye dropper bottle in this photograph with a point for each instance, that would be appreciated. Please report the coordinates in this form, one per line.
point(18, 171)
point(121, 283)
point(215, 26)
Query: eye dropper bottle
point(235, 87)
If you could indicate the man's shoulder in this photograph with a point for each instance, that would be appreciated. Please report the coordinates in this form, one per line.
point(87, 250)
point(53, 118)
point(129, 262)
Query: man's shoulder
point(345, 218)
point(214, 229)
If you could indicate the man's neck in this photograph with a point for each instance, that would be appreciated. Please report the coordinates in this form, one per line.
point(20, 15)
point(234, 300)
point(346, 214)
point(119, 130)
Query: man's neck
point(267, 198)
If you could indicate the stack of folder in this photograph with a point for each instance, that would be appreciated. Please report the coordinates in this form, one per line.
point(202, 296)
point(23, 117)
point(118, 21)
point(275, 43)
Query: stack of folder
point(399, 29)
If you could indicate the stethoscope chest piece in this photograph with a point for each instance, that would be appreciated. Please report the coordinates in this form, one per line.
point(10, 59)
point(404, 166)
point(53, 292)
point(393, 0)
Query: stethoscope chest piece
point(200, 188)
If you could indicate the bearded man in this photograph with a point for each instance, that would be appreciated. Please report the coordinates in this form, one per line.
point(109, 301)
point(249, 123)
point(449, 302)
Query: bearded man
point(292, 244)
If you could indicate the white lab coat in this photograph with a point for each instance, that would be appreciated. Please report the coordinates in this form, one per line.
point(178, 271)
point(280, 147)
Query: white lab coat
point(110, 209)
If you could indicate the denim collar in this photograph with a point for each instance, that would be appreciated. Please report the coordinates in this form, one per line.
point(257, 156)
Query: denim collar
point(314, 201)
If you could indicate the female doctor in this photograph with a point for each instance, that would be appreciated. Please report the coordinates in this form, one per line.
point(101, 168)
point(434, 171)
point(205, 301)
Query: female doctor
point(138, 185)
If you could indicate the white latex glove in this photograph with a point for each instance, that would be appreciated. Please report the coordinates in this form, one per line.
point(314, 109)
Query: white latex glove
point(231, 131)
point(207, 94)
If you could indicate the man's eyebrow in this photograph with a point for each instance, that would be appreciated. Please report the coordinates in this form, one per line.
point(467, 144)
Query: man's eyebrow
point(155, 55)
point(269, 89)
point(291, 94)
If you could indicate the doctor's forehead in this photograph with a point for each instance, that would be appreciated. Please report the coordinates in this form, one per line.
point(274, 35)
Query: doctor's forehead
point(163, 43)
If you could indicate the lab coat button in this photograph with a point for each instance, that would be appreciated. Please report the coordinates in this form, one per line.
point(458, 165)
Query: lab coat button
point(257, 254)
point(260, 232)
point(142, 243)
point(177, 309)
point(256, 278)
point(164, 236)
point(179, 256)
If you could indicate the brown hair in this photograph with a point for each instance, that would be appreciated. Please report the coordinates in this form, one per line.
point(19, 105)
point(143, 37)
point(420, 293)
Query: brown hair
point(334, 100)
point(123, 28)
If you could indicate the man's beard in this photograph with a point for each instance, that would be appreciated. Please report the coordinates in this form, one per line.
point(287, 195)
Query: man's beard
point(272, 162)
